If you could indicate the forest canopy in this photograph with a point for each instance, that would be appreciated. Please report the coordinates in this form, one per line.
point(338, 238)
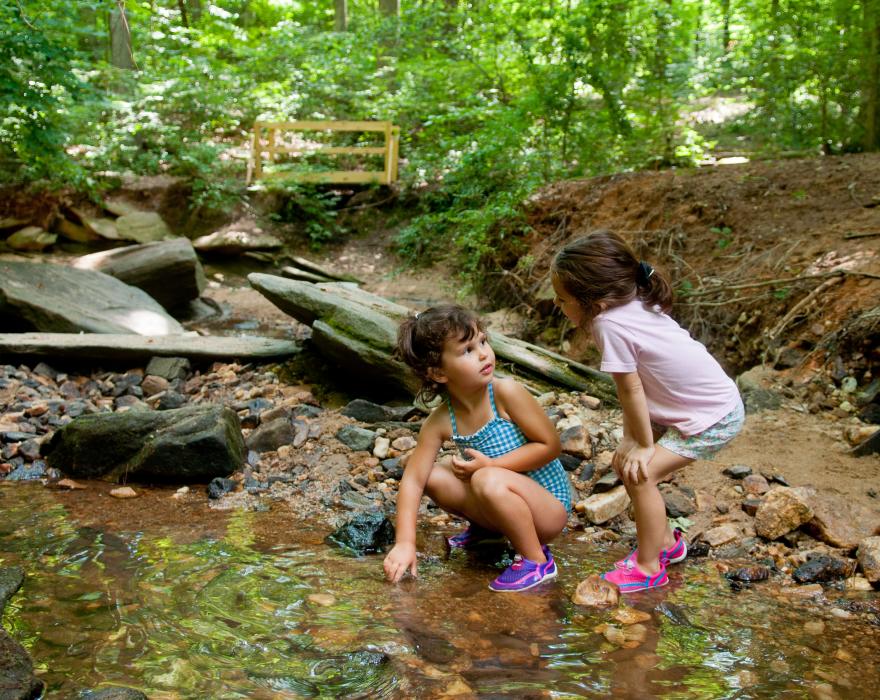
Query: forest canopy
point(493, 97)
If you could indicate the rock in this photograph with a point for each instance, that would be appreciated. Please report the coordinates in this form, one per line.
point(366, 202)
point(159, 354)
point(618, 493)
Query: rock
point(169, 368)
point(153, 385)
point(369, 412)
point(364, 534)
point(596, 592)
point(355, 438)
point(17, 679)
point(124, 492)
point(738, 471)
point(323, 599)
point(272, 435)
point(220, 486)
point(753, 384)
point(627, 637)
point(35, 471)
point(393, 468)
point(57, 298)
point(11, 579)
point(31, 238)
point(630, 616)
point(868, 447)
point(600, 508)
point(590, 402)
point(234, 242)
point(576, 441)
point(569, 462)
point(142, 227)
point(784, 509)
point(195, 443)
point(750, 505)
point(840, 523)
point(755, 484)
point(404, 443)
point(678, 503)
point(823, 568)
point(674, 613)
point(749, 574)
point(869, 558)
point(607, 482)
point(722, 534)
point(69, 484)
point(381, 447)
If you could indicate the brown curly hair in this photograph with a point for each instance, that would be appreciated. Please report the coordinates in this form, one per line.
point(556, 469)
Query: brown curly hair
point(420, 340)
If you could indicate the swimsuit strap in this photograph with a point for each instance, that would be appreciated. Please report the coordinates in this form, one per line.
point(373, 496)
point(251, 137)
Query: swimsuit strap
point(451, 416)
point(492, 401)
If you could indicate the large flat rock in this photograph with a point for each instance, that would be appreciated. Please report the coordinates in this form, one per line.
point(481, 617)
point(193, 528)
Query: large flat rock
point(57, 298)
point(106, 346)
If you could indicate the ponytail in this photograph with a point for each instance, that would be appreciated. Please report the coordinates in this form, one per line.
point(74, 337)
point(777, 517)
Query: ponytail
point(653, 287)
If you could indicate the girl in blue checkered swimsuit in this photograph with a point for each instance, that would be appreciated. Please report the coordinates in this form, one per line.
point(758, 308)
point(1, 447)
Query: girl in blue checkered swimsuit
point(507, 480)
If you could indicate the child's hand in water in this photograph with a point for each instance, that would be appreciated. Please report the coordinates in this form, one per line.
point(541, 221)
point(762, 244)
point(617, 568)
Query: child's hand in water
point(464, 468)
point(401, 558)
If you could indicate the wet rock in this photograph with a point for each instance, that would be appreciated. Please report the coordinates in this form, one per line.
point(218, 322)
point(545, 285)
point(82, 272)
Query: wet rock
point(11, 578)
point(272, 435)
point(674, 613)
point(840, 523)
point(188, 444)
point(600, 508)
point(678, 503)
point(755, 485)
point(220, 486)
point(364, 534)
point(630, 616)
point(596, 592)
point(749, 574)
point(823, 568)
point(784, 509)
point(355, 438)
point(869, 558)
point(627, 637)
point(32, 472)
point(737, 471)
point(69, 484)
point(171, 400)
point(17, 679)
point(29, 450)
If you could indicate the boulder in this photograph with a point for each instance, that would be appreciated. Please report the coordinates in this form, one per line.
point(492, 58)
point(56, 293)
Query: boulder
point(841, 523)
point(169, 271)
point(783, 509)
point(365, 533)
point(271, 435)
point(169, 368)
point(17, 679)
point(236, 242)
point(31, 238)
point(142, 227)
point(57, 298)
point(195, 443)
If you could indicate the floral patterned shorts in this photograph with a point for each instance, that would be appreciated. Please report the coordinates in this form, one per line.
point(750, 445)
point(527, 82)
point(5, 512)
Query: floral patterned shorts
point(706, 444)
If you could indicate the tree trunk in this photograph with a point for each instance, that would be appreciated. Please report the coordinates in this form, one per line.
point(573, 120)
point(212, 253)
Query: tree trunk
point(871, 71)
point(184, 18)
point(120, 39)
point(725, 31)
point(341, 22)
point(391, 8)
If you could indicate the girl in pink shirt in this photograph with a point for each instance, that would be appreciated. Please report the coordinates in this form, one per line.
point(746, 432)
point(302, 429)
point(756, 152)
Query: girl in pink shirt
point(678, 404)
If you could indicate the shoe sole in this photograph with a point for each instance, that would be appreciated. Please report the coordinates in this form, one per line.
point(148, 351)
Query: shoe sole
point(547, 577)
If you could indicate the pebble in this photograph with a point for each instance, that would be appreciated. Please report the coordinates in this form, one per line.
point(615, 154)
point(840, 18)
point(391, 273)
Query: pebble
point(124, 492)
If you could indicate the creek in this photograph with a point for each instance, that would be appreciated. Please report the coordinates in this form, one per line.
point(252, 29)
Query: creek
point(181, 601)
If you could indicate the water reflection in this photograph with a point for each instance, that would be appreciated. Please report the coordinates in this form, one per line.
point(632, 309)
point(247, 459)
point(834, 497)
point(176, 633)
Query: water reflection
point(253, 605)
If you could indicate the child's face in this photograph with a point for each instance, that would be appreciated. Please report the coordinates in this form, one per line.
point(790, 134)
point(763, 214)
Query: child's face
point(466, 364)
point(567, 304)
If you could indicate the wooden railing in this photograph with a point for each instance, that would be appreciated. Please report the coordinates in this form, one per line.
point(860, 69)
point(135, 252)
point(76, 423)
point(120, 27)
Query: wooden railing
point(268, 143)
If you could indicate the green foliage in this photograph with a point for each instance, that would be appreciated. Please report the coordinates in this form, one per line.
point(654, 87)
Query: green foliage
point(725, 235)
point(311, 207)
point(494, 99)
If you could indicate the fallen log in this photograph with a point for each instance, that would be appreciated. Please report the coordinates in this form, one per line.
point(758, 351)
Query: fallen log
point(109, 346)
point(314, 268)
point(169, 271)
point(359, 330)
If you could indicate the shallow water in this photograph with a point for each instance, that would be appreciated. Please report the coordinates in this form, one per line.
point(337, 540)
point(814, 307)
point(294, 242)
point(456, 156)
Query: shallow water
point(183, 602)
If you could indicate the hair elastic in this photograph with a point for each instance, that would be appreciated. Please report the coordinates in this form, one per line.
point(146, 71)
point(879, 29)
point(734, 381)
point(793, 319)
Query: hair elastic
point(643, 274)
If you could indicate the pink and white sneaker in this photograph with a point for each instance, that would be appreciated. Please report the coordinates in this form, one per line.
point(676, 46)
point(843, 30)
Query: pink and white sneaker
point(676, 553)
point(630, 578)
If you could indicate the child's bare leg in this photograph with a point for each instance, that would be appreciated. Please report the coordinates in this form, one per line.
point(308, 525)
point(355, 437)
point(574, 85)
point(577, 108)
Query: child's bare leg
point(455, 496)
point(520, 508)
point(652, 527)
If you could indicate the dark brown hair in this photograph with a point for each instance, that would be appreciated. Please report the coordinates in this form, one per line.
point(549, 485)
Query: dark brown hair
point(601, 267)
point(420, 340)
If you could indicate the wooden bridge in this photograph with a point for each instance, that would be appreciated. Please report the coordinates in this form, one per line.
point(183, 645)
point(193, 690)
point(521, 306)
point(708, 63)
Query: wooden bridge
point(269, 142)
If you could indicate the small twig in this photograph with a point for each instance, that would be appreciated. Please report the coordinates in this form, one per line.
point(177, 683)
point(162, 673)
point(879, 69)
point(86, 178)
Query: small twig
point(368, 204)
point(796, 309)
point(764, 283)
point(23, 16)
point(860, 234)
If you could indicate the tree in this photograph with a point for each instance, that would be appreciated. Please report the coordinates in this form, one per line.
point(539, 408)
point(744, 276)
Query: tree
point(120, 38)
point(341, 17)
point(871, 81)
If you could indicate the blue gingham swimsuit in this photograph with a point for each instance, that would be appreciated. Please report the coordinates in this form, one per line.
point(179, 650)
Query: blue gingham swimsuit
point(500, 436)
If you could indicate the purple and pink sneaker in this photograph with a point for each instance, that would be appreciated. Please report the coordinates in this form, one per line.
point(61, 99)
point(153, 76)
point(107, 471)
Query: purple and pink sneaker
point(676, 553)
point(630, 578)
point(474, 536)
point(525, 573)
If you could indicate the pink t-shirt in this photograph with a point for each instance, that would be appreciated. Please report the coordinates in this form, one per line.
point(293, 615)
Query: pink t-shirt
point(684, 385)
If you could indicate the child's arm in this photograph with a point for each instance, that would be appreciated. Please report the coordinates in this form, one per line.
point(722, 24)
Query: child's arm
point(543, 442)
point(402, 556)
point(637, 448)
